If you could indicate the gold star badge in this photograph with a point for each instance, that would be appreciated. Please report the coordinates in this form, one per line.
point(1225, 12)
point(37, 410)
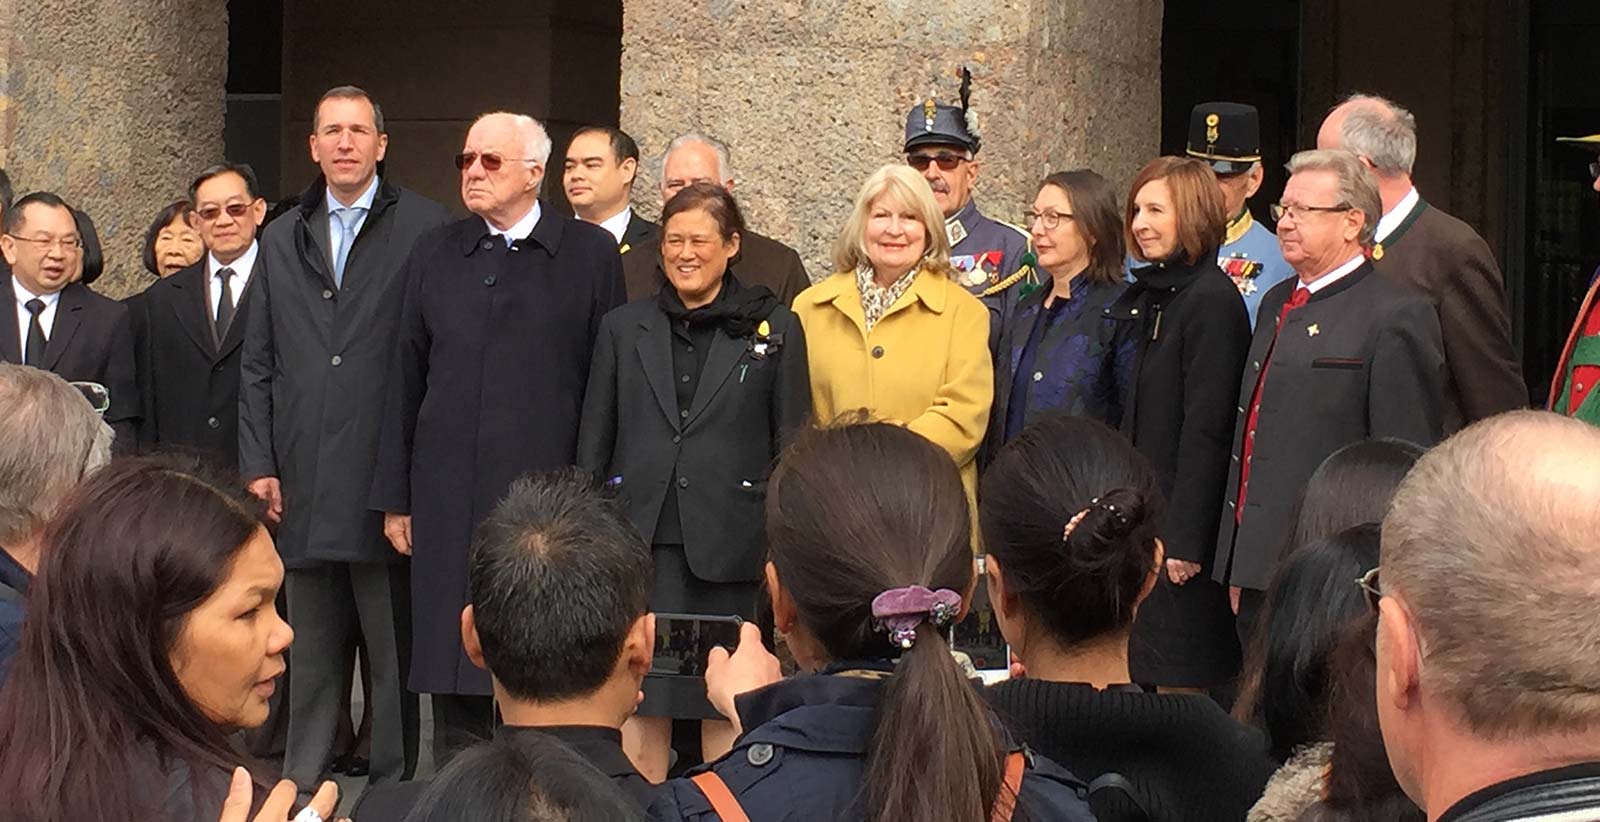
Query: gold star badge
point(1313, 330)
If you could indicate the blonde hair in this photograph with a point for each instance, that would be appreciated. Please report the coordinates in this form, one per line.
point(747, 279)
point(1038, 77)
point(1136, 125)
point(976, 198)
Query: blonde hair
point(907, 188)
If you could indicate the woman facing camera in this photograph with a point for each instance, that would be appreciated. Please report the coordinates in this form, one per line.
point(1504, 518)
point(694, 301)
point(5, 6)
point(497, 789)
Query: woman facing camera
point(1069, 517)
point(152, 638)
point(1193, 336)
point(691, 395)
point(870, 564)
point(891, 332)
point(170, 243)
point(1060, 352)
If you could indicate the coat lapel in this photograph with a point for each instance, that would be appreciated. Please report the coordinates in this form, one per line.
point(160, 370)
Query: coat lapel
point(725, 353)
point(655, 350)
point(10, 344)
point(192, 306)
point(69, 315)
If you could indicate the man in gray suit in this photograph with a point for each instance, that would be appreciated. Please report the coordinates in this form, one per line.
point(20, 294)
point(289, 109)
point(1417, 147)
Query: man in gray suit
point(316, 361)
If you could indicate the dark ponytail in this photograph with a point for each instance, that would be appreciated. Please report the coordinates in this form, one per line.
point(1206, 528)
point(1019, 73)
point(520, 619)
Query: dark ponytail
point(854, 511)
point(1085, 583)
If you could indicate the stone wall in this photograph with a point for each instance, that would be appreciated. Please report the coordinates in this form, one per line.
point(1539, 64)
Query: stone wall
point(114, 104)
point(812, 94)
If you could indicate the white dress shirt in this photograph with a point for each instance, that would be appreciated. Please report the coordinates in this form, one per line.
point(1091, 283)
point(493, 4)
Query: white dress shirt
point(47, 317)
point(1391, 221)
point(520, 230)
point(241, 276)
point(618, 224)
point(1335, 275)
point(336, 228)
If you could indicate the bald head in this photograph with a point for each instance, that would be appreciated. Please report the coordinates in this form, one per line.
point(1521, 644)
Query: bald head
point(1381, 133)
point(1493, 545)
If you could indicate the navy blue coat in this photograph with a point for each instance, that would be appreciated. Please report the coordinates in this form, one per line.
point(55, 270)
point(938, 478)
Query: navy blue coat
point(802, 755)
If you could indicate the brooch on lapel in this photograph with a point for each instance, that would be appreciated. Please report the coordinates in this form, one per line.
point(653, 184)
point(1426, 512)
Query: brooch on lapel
point(765, 342)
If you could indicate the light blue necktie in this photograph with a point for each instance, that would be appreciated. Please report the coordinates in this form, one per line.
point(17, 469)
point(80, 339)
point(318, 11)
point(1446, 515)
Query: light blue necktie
point(347, 222)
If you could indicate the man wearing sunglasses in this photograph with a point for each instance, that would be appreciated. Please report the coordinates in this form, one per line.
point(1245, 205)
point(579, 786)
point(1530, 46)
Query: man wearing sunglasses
point(1572, 389)
point(497, 328)
point(942, 144)
point(59, 325)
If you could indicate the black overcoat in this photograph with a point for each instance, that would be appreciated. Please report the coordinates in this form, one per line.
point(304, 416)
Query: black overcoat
point(491, 361)
point(90, 341)
point(1362, 359)
point(315, 365)
point(188, 379)
point(746, 404)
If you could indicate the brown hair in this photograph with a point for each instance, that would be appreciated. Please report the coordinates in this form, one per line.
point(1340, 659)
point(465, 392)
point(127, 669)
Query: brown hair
point(711, 198)
point(1094, 209)
point(1196, 203)
point(853, 511)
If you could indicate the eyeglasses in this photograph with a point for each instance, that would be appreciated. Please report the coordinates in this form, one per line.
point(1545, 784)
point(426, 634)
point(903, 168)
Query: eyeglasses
point(491, 162)
point(1049, 219)
point(67, 244)
point(235, 210)
point(1298, 212)
point(1368, 583)
point(946, 161)
point(97, 395)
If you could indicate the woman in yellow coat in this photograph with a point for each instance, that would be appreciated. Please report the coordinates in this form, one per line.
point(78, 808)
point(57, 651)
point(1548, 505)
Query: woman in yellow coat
point(892, 332)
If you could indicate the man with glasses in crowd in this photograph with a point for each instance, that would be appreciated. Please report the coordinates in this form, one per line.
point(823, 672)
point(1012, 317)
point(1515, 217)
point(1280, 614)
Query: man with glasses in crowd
point(942, 143)
point(1340, 355)
point(59, 325)
point(497, 327)
point(1578, 370)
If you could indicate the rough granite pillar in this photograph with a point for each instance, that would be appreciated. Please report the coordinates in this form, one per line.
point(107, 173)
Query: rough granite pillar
point(115, 105)
point(812, 94)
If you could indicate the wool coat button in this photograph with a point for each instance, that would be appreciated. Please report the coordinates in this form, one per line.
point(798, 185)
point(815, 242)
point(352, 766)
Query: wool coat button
point(877, 352)
point(337, 360)
point(327, 293)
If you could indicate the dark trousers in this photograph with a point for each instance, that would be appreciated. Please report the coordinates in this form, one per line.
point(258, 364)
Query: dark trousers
point(1249, 616)
point(459, 722)
point(329, 605)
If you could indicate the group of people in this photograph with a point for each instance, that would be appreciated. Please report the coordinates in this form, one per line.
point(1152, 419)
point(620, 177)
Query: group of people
point(485, 453)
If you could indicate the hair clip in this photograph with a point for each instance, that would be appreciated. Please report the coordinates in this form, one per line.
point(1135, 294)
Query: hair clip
point(898, 611)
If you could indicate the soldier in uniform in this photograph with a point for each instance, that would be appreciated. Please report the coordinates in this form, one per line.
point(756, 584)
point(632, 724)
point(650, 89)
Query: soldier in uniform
point(1228, 136)
point(1572, 390)
point(991, 258)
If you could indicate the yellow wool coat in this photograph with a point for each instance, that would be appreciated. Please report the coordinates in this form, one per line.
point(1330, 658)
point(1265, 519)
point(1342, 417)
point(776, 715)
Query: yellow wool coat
point(925, 364)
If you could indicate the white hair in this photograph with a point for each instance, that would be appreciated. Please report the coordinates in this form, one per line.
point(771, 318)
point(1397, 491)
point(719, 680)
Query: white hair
point(724, 168)
point(50, 439)
point(1381, 131)
point(536, 144)
point(1357, 187)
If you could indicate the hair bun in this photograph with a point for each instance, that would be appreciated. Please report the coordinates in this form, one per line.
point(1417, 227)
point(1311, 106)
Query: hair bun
point(1102, 529)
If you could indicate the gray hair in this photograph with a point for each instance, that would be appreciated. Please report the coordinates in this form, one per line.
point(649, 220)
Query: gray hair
point(536, 142)
point(1381, 131)
point(50, 439)
point(1357, 187)
point(724, 166)
point(1490, 544)
point(348, 93)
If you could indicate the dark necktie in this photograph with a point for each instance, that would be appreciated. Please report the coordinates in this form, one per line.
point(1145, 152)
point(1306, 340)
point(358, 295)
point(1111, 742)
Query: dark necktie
point(224, 303)
point(34, 354)
point(1300, 297)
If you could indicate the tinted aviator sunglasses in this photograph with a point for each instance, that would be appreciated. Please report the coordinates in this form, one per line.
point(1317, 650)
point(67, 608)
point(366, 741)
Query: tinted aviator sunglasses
point(946, 162)
point(235, 210)
point(491, 162)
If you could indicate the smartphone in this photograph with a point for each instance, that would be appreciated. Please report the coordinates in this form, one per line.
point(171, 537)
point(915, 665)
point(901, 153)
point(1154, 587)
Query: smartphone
point(978, 636)
point(684, 641)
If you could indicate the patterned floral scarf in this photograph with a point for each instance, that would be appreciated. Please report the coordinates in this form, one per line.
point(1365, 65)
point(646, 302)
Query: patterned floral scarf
point(875, 300)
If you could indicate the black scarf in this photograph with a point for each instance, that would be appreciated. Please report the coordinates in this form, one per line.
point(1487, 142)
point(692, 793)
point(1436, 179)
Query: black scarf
point(737, 309)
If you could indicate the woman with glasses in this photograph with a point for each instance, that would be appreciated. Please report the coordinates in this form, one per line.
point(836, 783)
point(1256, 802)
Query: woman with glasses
point(1059, 351)
point(892, 332)
point(1193, 333)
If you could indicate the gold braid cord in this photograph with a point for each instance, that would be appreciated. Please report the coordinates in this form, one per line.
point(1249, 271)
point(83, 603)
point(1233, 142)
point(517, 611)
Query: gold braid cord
point(1025, 272)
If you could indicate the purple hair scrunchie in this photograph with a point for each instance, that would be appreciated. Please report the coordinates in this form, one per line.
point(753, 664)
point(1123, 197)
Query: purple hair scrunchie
point(900, 610)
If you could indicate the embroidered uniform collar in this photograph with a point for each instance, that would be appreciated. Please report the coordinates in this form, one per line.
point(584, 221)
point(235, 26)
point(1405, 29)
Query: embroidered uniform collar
point(1238, 227)
point(956, 228)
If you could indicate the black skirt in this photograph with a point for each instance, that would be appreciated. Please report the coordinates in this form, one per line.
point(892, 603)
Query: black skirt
point(1184, 636)
point(678, 590)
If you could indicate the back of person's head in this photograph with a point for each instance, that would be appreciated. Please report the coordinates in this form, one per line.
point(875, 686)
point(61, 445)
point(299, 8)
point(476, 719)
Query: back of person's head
point(1312, 601)
point(132, 553)
point(559, 581)
point(1491, 560)
point(50, 439)
point(92, 256)
point(859, 510)
point(522, 778)
point(1352, 486)
point(1088, 584)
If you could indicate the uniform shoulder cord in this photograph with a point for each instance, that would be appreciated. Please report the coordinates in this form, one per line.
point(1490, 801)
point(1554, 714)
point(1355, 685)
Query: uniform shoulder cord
point(728, 808)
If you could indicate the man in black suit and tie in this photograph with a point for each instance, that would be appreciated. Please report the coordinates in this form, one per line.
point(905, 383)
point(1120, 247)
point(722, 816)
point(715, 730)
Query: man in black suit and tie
point(602, 165)
point(59, 325)
point(194, 322)
point(1340, 355)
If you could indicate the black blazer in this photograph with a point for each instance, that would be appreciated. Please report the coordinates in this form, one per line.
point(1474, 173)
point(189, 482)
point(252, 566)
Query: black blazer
point(1363, 359)
point(641, 236)
point(91, 341)
point(760, 261)
point(719, 456)
point(190, 381)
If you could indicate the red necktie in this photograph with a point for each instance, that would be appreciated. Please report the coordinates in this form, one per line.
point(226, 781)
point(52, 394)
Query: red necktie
point(1301, 295)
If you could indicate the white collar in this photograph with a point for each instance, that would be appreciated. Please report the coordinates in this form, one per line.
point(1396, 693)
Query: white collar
point(519, 230)
point(617, 223)
point(24, 295)
point(1397, 215)
point(1336, 275)
point(364, 201)
point(241, 267)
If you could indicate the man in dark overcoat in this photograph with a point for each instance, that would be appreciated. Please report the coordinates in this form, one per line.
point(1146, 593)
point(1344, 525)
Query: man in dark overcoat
point(317, 360)
point(1339, 355)
point(497, 328)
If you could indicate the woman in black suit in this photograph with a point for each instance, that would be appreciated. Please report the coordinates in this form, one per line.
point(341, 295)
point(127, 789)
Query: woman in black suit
point(1194, 335)
point(691, 395)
